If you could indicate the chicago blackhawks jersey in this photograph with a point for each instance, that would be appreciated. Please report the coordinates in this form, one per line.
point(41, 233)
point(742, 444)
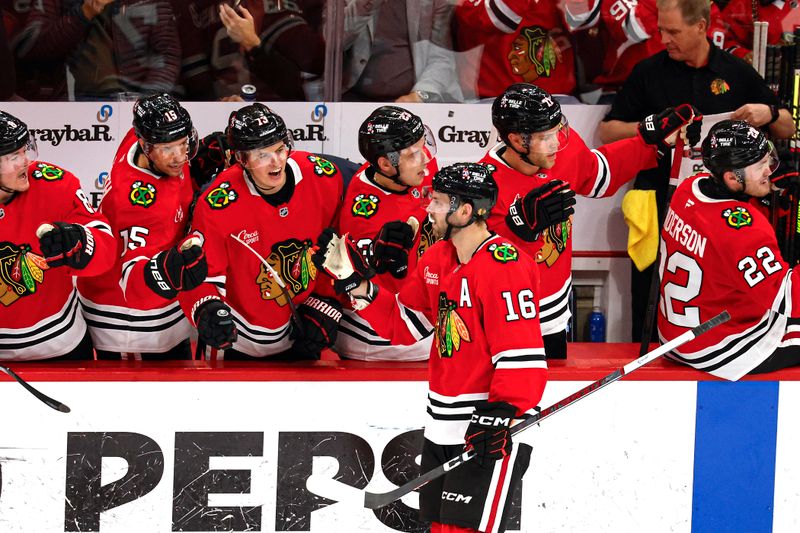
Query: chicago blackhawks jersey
point(367, 207)
point(721, 255)
point(284, 236)
point(487, 342)
point(592, 173)
point(40, 316)
point(520, 41)
point(148, 214)
point(732, 28)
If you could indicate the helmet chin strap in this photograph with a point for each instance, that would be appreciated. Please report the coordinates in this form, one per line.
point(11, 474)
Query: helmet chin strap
point(526, 143)
point(450, 226)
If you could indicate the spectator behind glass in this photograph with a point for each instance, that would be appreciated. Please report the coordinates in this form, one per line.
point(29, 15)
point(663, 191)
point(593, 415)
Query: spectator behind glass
point(529, 43)
point(114, 48)
point(732, 30)
point(396, 50)
point(6, 66)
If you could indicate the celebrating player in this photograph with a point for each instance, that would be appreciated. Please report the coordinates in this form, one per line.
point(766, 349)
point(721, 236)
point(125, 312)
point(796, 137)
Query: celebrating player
point(487, 363)
point(383, 214)
point(49, 233)
point(539, 166)
point(258, 220)
point(133, 309)
point(718, 252)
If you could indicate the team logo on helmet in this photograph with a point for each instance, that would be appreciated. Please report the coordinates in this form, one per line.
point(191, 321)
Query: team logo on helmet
point(503, 253)
point(221, 197)
point(719, 86)
point(46, 172)
point(365, 205)
point(291, 261)
point(554, 242)
point(450, 328)
point(142, 194)
point(322, 167)
point(738, 217)
point(20, 271)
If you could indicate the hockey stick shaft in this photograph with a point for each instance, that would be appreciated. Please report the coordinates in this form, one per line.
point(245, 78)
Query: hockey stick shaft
point(375, 500)
point(47, 400)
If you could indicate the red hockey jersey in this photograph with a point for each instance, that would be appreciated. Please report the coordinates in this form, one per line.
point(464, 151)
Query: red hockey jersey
point(148, 213)
point(592, 173)
point(283, 236)
point(732, 28)
point(366, 208)
point(40, 316)
point(520, 41)
point(721, 255)
point(487, 342)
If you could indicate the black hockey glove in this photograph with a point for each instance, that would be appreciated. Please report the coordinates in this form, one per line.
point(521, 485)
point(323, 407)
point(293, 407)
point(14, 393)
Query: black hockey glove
point(340, 259)
point(488, 432)
point(213, 156)
point(541, 208)
point(783, 178)
point(661, 129)
point(215, 326)
point(320, 317)
point(67, 244)
point(176, 270)
point(389, 252)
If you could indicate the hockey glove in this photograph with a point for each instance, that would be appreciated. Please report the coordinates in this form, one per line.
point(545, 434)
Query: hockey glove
point(67, 244)
point(176, 270)
point(320, 317)
point(389, 252)
point(215, 326)
point(340, 259)
point(662, 129)
point(488, 432)
point(541, 208)
point(213, 156)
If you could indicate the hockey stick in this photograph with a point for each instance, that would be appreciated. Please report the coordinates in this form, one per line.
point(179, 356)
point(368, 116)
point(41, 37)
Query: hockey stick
point(374, 500)
point(47, 400)
point(278, 280)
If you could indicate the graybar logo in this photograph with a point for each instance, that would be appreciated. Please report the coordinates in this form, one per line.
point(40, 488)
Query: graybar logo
point(98, 132)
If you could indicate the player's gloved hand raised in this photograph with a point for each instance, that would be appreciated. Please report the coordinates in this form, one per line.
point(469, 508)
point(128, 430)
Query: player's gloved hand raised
point(215, 325)
point(176, 269)
point(662, 129)
point(213, 156)
point(65, 244)
point(488, 433)
point(541, 208)
point(340, 259)
point(390, 248)
point(320, 318)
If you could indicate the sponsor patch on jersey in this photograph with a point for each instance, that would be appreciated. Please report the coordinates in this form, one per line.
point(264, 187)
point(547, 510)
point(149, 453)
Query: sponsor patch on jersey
point(719, 86)
point(365, 205)
point(222, 196)
point(503, 253)
point(322, 167)
point(738, 217)
point(451, 330)
point(43, 171)
point(20, 271)
point(142, 194)
point(291, 262)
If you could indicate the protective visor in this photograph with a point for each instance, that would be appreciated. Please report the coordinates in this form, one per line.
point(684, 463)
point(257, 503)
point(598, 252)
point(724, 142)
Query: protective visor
point(187, 148)
point(21, 158)
point(550, 141)
point(432, 204)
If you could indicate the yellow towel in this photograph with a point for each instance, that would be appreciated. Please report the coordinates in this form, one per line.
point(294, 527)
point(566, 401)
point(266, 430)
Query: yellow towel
point(641, 215)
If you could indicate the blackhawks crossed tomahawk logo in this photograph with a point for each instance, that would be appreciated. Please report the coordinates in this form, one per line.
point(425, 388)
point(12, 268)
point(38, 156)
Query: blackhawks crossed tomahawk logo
point(737, 217)
point(450, 328)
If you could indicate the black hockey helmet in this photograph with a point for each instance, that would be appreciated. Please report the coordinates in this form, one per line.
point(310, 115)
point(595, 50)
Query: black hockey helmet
point(525, 108)
point(14, 134)
point(160, 118)
point(468, 182)
point(733, 145)
point(387, 131)
point(256, 126)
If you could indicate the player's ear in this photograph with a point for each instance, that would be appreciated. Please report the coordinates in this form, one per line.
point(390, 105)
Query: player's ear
point(385, 166)
point(516, 142)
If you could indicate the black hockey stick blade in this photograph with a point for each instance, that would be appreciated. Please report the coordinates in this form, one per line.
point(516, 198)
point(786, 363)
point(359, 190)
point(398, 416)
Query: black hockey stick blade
point(47, 400)
point(376, 500)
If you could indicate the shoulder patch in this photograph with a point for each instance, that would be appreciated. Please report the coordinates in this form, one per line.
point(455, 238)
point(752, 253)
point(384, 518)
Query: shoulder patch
point(737, 217)
point(365, 205)
point(322, 167)
point(503, 252)
point(142, 194)
point(221, 196)
point(47, 172)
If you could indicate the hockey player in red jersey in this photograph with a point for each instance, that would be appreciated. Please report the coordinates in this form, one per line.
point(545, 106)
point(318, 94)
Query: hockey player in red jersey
point(540, 165)
point(381, 200)
point(270, 206)
point(732, 28)
point(718, 252)
point(40, 316)
point(133, 308)
point(487, 365)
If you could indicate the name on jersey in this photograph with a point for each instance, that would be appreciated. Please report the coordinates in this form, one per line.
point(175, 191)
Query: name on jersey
point(685, 234)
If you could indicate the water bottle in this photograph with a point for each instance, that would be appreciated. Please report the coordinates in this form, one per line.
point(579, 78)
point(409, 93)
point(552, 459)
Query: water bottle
point(597, 326)
point(248, 92)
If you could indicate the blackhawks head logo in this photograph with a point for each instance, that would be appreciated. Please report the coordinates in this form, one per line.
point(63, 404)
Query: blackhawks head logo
point(365, 205)
point(738, 217)
point(534, 54)
point(322, 167)
point(142, 194)
point(719, 86)
point(426, 236)
point(20, 271)
point(221, 196)
point(291, 261)
point(554, 242)
point(46, 172)
point(450, 328)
